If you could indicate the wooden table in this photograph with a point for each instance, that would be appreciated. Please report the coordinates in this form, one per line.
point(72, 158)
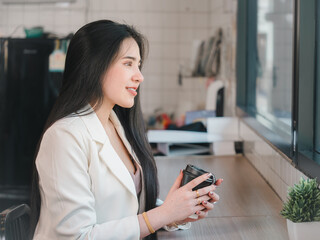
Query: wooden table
point(248, 208)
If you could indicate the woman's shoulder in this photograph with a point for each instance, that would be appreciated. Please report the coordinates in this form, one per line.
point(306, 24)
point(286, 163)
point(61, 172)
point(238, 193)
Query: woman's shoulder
point(84, 127)
point(71, 123)
point(68, 127)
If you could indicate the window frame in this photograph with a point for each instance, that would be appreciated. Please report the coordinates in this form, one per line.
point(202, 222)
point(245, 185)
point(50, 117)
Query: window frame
point(317, 81)
point(305, 134)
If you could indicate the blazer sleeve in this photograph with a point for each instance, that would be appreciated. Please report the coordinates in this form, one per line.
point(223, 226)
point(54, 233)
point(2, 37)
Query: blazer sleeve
point(67, 210)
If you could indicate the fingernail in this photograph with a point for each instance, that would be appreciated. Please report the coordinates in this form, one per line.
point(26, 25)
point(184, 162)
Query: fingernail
point(204, 202)
point(211, 193)
point(198, 212)
point(209, 174)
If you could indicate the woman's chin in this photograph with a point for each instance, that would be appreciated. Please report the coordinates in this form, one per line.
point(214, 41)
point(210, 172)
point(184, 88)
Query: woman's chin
point(127, 104)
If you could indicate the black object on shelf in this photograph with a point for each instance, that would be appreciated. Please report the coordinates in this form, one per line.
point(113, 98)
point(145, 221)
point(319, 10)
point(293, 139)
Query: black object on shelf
point(220, 102)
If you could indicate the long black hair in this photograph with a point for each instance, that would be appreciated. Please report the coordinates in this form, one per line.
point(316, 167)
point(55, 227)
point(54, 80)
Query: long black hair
point(91, 51)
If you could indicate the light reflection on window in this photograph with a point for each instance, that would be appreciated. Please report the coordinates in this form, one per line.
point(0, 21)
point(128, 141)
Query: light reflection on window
point(274, 61)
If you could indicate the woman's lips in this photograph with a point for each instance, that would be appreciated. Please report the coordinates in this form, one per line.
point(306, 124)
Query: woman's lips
point(133, 91)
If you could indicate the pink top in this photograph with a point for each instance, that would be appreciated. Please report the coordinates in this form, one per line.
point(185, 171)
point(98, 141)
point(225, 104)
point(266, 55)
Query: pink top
point(137, 179)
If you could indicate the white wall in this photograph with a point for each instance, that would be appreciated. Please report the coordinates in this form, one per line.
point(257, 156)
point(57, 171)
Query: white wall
point(276, 168)
point(170, 25)
point(224, 14)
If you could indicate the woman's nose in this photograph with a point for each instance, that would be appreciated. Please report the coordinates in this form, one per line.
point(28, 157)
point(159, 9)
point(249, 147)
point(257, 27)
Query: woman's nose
point(138, 76)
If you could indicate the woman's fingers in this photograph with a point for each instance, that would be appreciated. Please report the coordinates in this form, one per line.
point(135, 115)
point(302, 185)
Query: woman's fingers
point(177, 182)
point(200, 200)
point(183, 202)
point(195, 182)
point(207, 205)
point(205, 190)
point(215, 197)
point(201, 210)
point(201, 214)
point(219, 181)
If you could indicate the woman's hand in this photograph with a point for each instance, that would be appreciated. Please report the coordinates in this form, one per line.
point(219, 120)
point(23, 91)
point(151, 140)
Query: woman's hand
point(182, 202)
point(207, 204)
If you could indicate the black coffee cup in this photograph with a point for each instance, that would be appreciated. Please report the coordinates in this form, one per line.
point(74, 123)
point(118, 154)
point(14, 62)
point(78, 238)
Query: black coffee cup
point(191, 172)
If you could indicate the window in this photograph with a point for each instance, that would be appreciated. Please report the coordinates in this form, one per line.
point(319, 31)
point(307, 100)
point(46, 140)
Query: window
point(274, 62)
point(278, 76)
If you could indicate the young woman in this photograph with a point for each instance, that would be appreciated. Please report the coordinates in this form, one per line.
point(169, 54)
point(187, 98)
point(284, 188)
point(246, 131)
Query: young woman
point(95, 176)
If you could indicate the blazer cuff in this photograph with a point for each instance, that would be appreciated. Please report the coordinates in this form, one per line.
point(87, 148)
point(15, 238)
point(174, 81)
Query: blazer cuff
point(175, 227)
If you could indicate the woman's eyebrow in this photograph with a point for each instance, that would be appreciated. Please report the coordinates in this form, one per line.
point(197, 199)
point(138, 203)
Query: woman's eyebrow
point(132, 58)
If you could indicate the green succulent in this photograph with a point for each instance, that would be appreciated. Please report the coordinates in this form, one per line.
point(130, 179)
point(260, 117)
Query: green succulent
point(303, 203)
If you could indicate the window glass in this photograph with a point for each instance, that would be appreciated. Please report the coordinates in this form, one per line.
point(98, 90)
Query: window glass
point(274, 62)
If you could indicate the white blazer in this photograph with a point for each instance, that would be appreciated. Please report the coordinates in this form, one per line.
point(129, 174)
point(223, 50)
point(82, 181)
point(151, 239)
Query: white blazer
point(86, 190)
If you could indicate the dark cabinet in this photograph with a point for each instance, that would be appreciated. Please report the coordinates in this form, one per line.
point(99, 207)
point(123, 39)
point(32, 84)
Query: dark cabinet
point(27, 93)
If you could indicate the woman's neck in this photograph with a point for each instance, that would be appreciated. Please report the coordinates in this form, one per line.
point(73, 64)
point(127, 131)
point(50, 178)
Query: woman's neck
point(103, 113)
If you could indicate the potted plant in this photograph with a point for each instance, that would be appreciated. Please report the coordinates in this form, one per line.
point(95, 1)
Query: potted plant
point(302, 210)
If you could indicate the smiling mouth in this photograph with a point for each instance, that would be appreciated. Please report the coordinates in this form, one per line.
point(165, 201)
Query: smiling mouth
point(132, 89)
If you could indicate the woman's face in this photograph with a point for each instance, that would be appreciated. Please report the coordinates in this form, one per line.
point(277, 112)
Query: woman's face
point(122, 79)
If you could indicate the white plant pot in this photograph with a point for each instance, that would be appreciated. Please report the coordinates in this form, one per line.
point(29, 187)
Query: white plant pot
point(304, 230)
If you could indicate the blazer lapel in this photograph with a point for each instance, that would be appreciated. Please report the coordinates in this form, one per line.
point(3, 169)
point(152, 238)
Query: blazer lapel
point(121, 133)
point(106, 152)
point(125, 141)
point(109, 156)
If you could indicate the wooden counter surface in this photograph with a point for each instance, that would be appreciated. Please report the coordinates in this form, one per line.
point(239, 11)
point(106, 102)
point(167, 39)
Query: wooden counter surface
point(248, 208)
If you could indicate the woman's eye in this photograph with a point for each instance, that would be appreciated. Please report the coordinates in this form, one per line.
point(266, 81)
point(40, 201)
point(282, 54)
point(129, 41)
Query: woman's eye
point(128, 64)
